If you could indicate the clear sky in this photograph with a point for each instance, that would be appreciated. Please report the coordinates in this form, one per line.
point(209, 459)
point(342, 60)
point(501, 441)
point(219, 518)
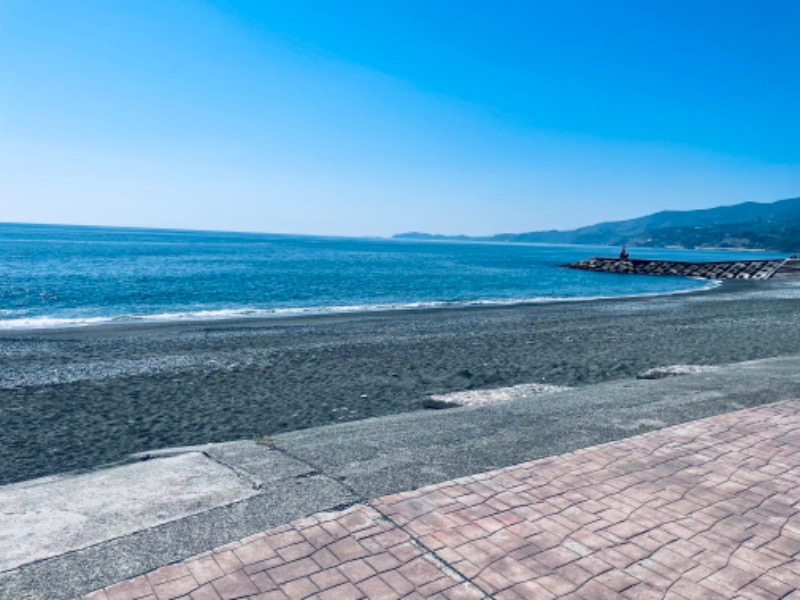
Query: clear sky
point(375, 117)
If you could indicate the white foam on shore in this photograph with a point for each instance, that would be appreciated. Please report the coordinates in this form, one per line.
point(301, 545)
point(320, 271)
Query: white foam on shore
point(47, 322)
point(50, 322)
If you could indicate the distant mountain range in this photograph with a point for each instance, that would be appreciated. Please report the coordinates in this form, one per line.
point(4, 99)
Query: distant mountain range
point(751, 225)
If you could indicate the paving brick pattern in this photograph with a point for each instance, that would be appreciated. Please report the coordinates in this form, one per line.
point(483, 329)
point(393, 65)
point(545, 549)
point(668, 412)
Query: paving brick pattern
point(710, 509)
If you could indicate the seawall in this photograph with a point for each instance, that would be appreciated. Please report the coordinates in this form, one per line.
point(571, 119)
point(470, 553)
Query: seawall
point(740, 269)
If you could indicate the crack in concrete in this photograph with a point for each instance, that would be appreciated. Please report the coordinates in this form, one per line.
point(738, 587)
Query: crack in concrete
point(240, 473)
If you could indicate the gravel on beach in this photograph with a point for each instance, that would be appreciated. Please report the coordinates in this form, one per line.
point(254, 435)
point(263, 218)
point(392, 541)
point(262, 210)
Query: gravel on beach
point(82, 397)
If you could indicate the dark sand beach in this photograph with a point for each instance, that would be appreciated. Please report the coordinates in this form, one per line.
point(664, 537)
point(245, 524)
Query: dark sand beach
point(82, 397)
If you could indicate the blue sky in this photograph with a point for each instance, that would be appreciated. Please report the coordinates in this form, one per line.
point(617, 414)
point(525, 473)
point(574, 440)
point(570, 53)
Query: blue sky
point(377, 117)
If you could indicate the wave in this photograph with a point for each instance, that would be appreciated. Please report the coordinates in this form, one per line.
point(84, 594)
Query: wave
point(50, 322)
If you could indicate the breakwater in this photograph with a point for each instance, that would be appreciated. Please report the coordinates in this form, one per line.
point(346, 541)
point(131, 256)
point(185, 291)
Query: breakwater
point(740, 269)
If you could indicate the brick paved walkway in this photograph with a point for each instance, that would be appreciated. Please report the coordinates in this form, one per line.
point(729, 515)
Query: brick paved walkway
point(710, 509)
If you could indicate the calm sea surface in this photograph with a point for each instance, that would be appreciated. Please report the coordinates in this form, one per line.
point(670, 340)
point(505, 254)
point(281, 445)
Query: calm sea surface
point(56, 276)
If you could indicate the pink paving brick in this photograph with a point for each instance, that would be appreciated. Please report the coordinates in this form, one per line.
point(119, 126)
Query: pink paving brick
point(204, 569)
point(327, 579)
point(302, 588)
point(295, 551)
point(345, 591)
point(357, 571)
point(206, 592)
point(168, 573)
point(286, 572)
point(465, 591)
point(175, 588)
point(436, 586)
point(376, 589)
point(398, 583)
point(227, 561)
point(235, 585)
point(133, 588)
point(557, 585)
point(706, 509)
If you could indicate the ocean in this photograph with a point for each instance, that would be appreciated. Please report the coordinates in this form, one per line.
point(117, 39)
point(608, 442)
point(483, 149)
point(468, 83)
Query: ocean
point(63, 276)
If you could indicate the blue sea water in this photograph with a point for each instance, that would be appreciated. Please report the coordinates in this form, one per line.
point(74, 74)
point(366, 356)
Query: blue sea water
point(57, 276)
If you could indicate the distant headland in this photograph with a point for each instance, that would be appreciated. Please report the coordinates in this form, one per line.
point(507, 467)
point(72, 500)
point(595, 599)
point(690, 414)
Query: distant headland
point(748, 226)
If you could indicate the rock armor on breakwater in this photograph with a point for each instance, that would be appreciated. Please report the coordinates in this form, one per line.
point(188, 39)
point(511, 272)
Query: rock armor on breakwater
point(740, 269)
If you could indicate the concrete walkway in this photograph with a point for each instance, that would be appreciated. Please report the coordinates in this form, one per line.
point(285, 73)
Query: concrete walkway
point(67, 535)
point(709, 509)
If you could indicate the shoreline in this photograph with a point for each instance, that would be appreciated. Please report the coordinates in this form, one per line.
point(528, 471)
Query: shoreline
point(78, 398)
point(289, 314)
